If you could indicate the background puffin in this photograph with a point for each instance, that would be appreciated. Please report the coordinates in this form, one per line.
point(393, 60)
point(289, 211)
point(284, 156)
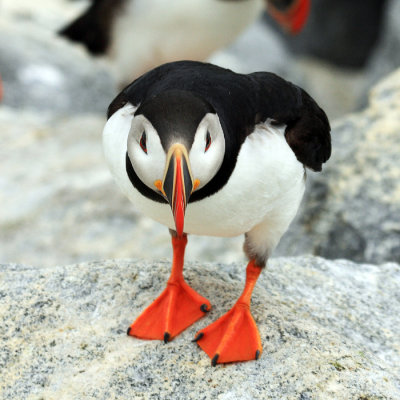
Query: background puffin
point(137, 35)
point(226, 153)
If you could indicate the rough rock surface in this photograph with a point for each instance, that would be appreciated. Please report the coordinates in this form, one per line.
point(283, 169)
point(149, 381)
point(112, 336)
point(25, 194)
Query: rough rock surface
point(352, 210)
point(41, 71)
point(329, 331)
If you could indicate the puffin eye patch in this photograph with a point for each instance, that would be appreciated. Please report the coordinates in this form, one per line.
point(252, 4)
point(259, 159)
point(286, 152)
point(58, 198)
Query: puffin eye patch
point(143, 142)
point(208, 141)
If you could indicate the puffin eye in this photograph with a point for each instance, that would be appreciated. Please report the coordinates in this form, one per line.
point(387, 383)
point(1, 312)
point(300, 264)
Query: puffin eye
point(208, 141)
point(143, 142)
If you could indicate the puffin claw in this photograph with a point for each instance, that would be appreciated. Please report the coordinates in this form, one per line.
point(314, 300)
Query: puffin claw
point(258, 354)
point(214, 360)
point(128, 331)
point(198, 337)
point(204, 308)
point(166, 337)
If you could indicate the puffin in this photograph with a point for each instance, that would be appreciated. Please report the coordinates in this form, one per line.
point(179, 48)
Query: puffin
point(207, 151)
point(137, 35)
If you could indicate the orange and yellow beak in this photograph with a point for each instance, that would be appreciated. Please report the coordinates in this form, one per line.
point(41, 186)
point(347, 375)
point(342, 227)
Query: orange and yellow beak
point(291, 16)
point(178, 183)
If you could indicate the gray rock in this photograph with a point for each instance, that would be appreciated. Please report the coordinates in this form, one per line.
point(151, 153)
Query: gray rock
point(329, 331)
point(352, 210)
point(41, 71)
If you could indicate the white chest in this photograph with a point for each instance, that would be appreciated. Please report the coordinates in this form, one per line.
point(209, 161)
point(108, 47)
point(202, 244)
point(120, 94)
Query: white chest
point(266, 184)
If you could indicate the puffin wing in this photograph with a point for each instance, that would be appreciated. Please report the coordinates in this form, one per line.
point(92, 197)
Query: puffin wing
point(307, 126)
point(93, 27)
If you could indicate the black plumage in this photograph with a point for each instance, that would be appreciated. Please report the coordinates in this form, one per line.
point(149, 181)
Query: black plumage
point(241, 102)
point(93, 27)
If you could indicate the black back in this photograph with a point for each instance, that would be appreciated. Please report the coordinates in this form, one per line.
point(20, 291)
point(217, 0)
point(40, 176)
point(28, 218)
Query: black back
point(241, 102)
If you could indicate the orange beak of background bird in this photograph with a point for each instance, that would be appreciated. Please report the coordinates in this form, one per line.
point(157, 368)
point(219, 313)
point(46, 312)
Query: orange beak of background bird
point(177, 184)
point(291, 16)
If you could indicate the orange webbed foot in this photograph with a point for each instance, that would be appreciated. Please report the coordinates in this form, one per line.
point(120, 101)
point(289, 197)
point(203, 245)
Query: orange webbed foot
point(233, 337)
point(177, 307)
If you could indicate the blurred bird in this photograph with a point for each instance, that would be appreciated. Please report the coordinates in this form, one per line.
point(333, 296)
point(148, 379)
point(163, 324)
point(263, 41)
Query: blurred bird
point(137, 35)
point(226, 153)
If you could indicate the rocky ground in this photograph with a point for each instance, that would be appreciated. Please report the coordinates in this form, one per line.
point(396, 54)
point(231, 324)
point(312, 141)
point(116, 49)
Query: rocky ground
point(41, 72)
point(329, 331)
point(352, 209)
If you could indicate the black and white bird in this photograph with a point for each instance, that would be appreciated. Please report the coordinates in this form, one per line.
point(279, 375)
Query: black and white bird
point(207, 151)
point(137, 35)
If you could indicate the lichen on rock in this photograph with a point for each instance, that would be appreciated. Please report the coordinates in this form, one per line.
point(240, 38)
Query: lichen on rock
point(328, 329)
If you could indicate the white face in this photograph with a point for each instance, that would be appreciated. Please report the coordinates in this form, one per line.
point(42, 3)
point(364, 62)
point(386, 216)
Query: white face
point(208, 149)
point(148, 157)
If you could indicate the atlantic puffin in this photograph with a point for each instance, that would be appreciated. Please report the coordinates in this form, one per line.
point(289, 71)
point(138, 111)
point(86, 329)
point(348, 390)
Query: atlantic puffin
point(206, 151)
point(137, 35)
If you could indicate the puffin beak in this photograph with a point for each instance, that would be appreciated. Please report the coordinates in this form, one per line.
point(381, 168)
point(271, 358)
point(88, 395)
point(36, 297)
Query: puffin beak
point(293, 16)
point(178, 183)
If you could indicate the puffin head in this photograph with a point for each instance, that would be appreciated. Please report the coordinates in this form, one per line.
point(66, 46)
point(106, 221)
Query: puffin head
point(290, 14)
point(176, 145)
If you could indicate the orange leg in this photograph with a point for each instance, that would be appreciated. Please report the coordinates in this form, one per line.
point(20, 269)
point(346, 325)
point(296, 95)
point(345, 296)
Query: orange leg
point(234, 336)
point(177, 307)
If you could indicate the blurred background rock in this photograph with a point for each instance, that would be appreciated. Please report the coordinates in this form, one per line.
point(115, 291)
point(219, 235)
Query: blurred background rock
point(59, 204)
